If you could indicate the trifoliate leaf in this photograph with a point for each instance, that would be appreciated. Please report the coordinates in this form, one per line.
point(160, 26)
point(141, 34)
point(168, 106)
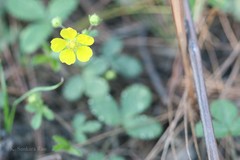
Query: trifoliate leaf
point(224, 111)
point(135, 99)
point(28, 10)
point(33, 36)
point(106, 109)
point(112, 47)
point(127, 66)
point(61, 8)
point(97, 66)
point(142, 127)
point(96, 87)
point(73, 88)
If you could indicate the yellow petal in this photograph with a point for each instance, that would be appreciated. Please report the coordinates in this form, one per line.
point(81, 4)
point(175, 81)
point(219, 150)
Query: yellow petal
point(84, 53)
point(58, 44)
point(67, 56)
point(68, 33)
point(85, 39)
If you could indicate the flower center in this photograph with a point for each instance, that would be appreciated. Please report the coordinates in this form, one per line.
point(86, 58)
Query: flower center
point(71, 44)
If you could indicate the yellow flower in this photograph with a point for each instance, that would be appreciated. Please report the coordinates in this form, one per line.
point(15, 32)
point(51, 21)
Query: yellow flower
point(72, 45)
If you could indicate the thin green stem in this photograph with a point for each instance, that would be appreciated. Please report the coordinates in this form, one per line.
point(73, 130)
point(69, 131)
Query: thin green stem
point(5, 96)
point(23, 97)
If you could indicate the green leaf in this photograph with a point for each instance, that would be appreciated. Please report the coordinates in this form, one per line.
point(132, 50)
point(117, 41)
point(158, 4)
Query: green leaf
point(97, 66)
point(142, 127)
point(36, 121)
point(74, 151)
point(106, 110)
point(199, 129)
point(79, 136)
point(112, 47)
point(34, 35)
point(58, 147)
point(48, 114)
point(220, 130)
point(116, 158)
point(61, 8)
point(62, 141)
point(96, 156)
point(96, 87)
point(91, 126)
point(31, 108)
point(1, 100)
point(135, 99)
point(224, 111)
point(235, 127)
point(78, 121)
point(127, 66)
point(73, 88)
point(28, 10)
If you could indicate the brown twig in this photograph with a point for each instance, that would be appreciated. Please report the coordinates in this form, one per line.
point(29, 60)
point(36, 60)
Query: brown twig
point(196, 63)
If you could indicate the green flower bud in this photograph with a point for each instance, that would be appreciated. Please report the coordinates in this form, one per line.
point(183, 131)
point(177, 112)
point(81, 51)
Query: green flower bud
point(94, 19)
point(110, 75)
point(56, 22)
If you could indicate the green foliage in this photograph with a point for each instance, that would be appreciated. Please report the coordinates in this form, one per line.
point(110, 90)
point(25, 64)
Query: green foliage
point(73, 88)
point(36, 106)
point(125, 65)
point(64, 145)
point(34, 35)
point(106, 109)
point(96, 156)
point(112, 47)
point(48, 59)
point(82, 127)
point(134, 100)
point(142, 127)
point(27, 10)
point(226, 121)
point(61, 8)
point(78, 85)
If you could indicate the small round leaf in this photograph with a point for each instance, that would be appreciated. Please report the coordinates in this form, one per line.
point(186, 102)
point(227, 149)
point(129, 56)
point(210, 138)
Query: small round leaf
point(224, 111)
point(127, 66)
point(135, 99)
point(106, 110)
point(91, 126)
point(142, 127)
point(96, 87)
point(73, 88)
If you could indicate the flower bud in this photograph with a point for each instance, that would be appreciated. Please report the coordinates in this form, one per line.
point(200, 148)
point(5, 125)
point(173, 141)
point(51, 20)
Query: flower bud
point(94, 19)
point(56, 22)
point(110, 75)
